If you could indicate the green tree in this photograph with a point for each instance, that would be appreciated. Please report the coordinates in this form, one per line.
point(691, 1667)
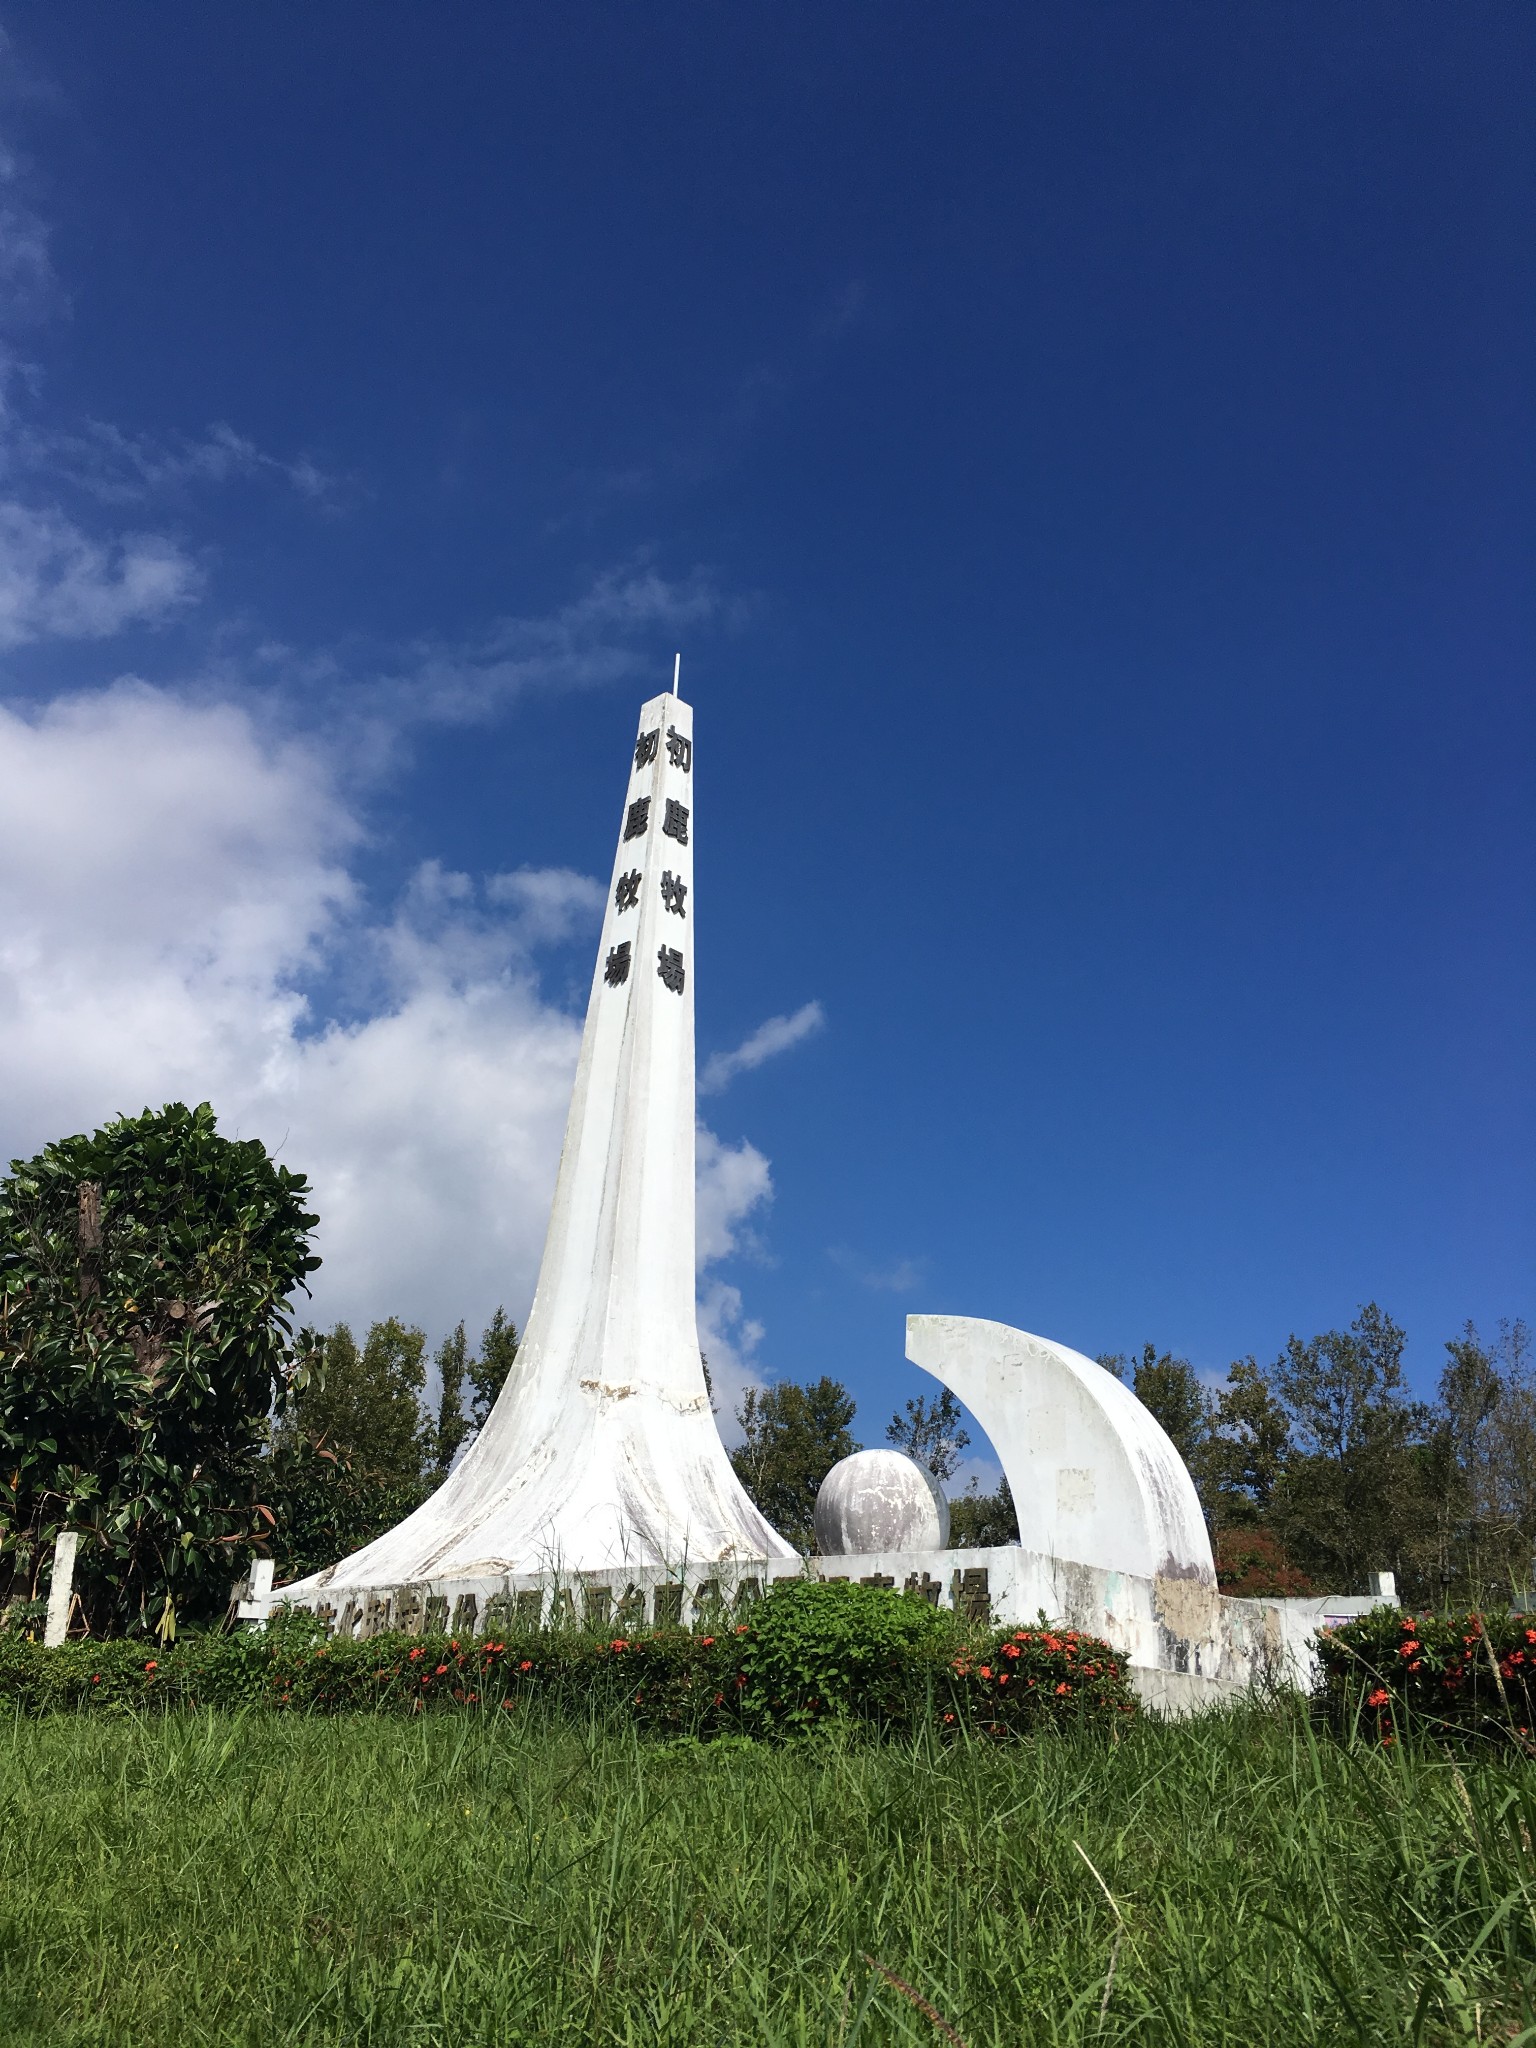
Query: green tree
point(366, 1405)
point(1170, 1388)
point(1246, 1449)
point(930, 1432)
point(488, 1372)
point(983, 1521)
point(792, 1437)
point(1482, 1465)
point(146, 1280)
point(452, 1422)
point(1353, 1496)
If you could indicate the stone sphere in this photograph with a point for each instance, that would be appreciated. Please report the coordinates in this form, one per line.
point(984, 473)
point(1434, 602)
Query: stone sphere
point(879, 1500)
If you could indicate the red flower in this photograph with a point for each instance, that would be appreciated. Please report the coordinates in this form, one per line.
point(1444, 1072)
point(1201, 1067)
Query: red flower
point(618, 1643)
point(986, 1670)
point(1417, 1664)
point(1063, 1687)
point(949, 1717)
point(1002, 1678)
point(1408, 1648)
point(741, 1628)
point(1379, 1697)
point(440, 1670)
point(525, 1665)
point(417, 1652)
point(152, 1664)
point(1010, 1649)
point(706, 1642)
point(741, 1678)
point(719, 1699)
point(95, 1678)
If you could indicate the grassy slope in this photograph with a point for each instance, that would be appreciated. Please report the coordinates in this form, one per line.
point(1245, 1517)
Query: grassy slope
point(463, 1880)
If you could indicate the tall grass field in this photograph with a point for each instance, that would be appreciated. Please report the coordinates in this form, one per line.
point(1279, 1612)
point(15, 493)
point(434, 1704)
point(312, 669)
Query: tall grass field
point(263, 1879)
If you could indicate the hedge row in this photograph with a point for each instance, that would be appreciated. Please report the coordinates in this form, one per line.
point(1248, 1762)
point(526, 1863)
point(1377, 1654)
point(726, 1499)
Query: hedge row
point(812, 1652)
point(1473, 1673)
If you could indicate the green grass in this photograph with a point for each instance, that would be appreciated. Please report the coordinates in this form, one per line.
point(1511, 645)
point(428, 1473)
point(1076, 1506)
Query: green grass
point(270, 1879)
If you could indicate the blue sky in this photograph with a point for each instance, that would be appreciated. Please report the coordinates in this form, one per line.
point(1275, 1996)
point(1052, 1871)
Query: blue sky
point(1085, 457)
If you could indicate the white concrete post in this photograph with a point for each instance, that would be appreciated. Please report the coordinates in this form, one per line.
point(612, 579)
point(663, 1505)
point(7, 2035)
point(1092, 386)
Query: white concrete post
point(255, 1603)
point(61, 1588)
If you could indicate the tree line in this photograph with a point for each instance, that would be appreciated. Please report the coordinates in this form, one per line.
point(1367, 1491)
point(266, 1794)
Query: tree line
point(1314, 1471)
point(157, 1396)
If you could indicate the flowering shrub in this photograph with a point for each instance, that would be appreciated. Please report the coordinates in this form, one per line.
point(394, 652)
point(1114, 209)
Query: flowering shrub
point(1020, 1678)
point(812, 1651)
point(1475, 1672)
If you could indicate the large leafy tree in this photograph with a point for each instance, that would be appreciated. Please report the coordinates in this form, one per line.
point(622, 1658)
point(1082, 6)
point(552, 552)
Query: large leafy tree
point(452, 1422)
point(1481, 1462)
point(488, 1371)
point(1246, 1451)
point(1171, 1389)
point(792, 1437)
point(366, 1404)
point(1354, 1496)
point(147, 1273)
point(931, 1432)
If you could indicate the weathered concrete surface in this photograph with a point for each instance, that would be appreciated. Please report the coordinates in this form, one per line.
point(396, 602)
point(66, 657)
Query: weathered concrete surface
point(1094, 1476)
point(880, 1500)
point(1231, 1647)
point(602, 1449)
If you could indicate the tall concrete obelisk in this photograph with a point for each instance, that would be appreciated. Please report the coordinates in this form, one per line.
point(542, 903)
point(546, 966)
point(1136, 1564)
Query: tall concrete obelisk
point(601, 1449)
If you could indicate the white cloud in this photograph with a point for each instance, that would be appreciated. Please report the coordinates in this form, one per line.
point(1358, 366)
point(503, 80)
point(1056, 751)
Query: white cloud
point(56, 582)
point(588, 642)
point(120, 468)
point(729, 1338)
point(776, 1036)
point(172, 879)
point(899, 1276)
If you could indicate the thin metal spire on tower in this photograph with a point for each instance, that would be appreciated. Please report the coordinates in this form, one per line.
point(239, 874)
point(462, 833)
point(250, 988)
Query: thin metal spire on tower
point(677, 673)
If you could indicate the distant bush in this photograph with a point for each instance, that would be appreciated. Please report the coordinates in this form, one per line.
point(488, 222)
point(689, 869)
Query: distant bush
point(811, 1653)
point(1251, 1564)
point(1472, 1673)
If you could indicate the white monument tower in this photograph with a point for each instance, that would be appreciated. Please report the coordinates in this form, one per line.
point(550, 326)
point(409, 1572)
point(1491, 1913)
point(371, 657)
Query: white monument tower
point(602, 1450)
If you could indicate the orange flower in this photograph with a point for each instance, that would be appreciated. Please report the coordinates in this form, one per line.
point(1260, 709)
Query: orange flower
point(153, 1664)
point(706, 1642)
point(618, 1643)
point(1063, 1687)
point(440, 1670)
point(986, 1670)
point(1379, 1697)
point(1010, 1649)
point(525, 1665)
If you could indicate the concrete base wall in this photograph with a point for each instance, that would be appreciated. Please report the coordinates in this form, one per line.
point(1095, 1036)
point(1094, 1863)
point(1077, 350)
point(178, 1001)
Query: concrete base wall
point(1186, 1646)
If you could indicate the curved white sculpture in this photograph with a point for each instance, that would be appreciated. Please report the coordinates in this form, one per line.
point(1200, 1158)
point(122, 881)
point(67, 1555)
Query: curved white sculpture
point(880, 1500)
point(1095, 1479)
point(602, 1449)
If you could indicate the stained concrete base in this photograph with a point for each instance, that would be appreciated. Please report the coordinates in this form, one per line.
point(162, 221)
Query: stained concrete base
point(1186, 1646)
